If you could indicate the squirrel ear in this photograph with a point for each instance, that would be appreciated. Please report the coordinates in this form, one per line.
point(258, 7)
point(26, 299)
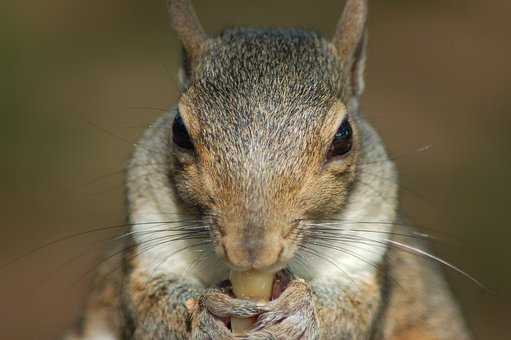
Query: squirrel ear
point(185, 71)
point(188, 28)
point(350, 41)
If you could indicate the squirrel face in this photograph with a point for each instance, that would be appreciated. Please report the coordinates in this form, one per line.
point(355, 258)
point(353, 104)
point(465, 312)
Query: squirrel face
point(264, 139)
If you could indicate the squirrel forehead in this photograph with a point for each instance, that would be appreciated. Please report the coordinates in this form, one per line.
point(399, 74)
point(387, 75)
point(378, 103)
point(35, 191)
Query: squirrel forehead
point(284, 79)
point(275, 69)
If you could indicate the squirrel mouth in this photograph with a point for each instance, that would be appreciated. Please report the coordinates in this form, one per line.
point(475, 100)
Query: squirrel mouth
point(280, 283)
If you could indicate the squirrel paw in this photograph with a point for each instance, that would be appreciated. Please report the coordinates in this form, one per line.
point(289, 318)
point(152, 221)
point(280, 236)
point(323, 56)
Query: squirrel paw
point(291, 316)
point(211, 310)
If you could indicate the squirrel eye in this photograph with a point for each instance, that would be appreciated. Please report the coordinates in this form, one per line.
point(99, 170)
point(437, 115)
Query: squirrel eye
point(343, 141)
point(180, 135)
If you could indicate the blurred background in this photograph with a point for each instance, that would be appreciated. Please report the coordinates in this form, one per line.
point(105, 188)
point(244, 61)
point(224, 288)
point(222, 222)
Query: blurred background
point(80, 80)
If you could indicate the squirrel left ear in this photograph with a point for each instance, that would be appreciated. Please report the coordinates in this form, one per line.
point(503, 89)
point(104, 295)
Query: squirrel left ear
point(350, 41)
point(190, 33)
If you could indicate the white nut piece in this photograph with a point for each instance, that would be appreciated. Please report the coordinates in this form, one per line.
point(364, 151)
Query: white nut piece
point(250, 285)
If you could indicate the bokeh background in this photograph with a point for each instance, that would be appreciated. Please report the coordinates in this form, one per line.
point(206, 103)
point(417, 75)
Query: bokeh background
point(80, 80)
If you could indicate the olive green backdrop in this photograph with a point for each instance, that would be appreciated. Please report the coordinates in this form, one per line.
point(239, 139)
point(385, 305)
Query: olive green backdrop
point(79, 81)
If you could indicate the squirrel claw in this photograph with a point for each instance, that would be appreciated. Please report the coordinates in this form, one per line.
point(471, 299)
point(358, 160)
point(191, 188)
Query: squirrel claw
point(207, 322)
point(206, 326)
point(211, 310)
point(224, 306)
point(292, 316)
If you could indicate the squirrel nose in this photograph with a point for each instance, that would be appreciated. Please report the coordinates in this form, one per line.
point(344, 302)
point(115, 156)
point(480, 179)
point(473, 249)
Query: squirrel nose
point(252, 255)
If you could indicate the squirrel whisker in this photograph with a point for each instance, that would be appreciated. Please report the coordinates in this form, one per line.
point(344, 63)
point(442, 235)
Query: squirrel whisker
point(405, 248)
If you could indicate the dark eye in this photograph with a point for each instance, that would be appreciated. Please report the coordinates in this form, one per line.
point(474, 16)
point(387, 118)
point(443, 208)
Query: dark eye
point(343, 141)
point(180, 135)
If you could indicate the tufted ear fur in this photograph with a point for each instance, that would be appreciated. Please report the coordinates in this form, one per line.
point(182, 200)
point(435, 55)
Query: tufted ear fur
point(358, 68)
point(185, 72)
point(350, 41)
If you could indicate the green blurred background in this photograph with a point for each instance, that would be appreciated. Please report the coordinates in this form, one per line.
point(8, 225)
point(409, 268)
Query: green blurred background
point(81, 79)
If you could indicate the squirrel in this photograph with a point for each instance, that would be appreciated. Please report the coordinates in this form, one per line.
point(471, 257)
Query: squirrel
point(266, 163)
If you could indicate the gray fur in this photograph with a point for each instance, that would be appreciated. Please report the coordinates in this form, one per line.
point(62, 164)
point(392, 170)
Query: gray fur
point(258, 106)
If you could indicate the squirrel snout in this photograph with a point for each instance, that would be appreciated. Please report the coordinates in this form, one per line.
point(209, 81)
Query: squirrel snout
point(248, 254)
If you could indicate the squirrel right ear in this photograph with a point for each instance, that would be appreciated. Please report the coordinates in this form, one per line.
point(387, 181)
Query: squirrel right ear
point(350, 41)
point(190, 33)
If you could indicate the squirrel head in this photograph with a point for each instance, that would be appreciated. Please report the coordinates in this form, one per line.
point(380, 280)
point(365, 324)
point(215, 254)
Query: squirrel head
point(266, 131)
